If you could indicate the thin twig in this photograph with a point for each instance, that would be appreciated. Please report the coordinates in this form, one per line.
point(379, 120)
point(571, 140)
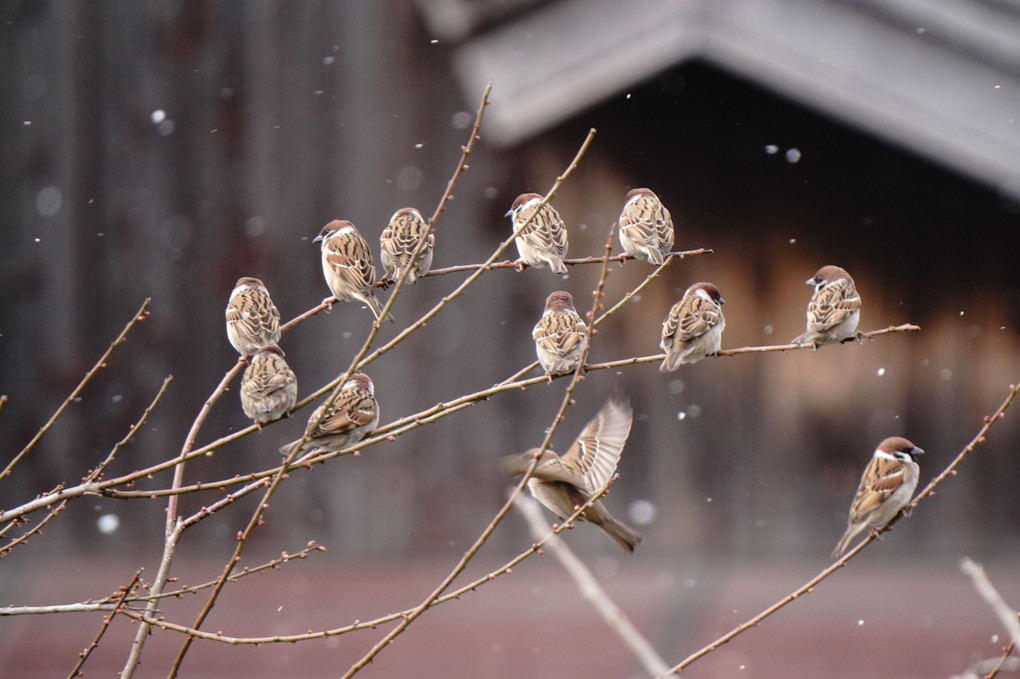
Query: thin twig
point(134, 429)
point(615, 618)
point(108, 603)
point(84, 655)
point(809, 586)
point(140, 315)
point(23, 538)
point(1004, 662)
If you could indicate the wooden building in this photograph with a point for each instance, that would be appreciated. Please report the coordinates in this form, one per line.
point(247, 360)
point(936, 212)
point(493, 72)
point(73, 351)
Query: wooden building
point(164, 150)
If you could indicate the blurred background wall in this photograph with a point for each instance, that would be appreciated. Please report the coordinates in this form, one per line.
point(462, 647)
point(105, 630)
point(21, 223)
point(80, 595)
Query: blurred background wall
point(164, 149)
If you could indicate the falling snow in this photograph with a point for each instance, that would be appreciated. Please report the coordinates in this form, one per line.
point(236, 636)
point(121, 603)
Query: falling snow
point(641, 511)
point(793, 155)
point(48, 201)
point(107, 523)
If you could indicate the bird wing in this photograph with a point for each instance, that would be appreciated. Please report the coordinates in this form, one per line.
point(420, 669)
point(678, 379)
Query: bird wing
point(354, 407)
point(596, 452)
point(832, 304)
point(350, 258)
point(254, 317)
point(559, 332)
point(880, 480)
point(691, 317)
point(546, 231)
point(401, 237)
point(648, 221)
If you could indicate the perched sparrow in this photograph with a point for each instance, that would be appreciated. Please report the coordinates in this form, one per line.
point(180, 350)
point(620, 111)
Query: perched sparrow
point(646, 229)
point(886, 487)
point(348, 266)
point(253, 321)
point(834, 309)
point(399, 241)
point(559, 335)
point(693, 328)
point(353, 415)
point(268, 386)
point(565, 483)
point(544, 242)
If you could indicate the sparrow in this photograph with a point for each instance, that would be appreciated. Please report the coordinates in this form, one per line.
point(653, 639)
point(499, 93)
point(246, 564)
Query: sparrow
point(693, 328)
point(565, 483)
point(400, 239)
point(559, 335)
point(268, 386)
point(646, 229)
point(834, 309)
point(253, 321)
point(353, 415)
point(544, 242)
point(888, 483)
point(348, 266)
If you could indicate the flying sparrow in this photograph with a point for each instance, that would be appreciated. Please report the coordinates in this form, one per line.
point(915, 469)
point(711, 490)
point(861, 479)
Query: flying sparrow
point(693, 328)
point(646, 229)
point(886, 487)
point(253, 321)
point(268, 386)
point(348, 266)
point(834, 309)
point(563, 484)
point(353, 415)
point(544, 242)
point(559, 335)
point(400, 239)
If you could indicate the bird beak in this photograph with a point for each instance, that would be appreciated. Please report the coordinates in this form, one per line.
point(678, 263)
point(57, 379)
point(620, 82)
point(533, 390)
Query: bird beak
point(509, 212)
point(317, 238)
point(916, 451)
point(811, 281)
point(721, 301)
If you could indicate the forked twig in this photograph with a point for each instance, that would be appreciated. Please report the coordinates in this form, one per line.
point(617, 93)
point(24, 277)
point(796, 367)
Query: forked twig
point(84, 655)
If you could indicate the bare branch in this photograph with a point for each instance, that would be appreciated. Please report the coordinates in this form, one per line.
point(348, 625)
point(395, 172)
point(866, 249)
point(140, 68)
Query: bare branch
point(591, 591)
point(84, 656)
point(809, 586)
point(140, 315)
